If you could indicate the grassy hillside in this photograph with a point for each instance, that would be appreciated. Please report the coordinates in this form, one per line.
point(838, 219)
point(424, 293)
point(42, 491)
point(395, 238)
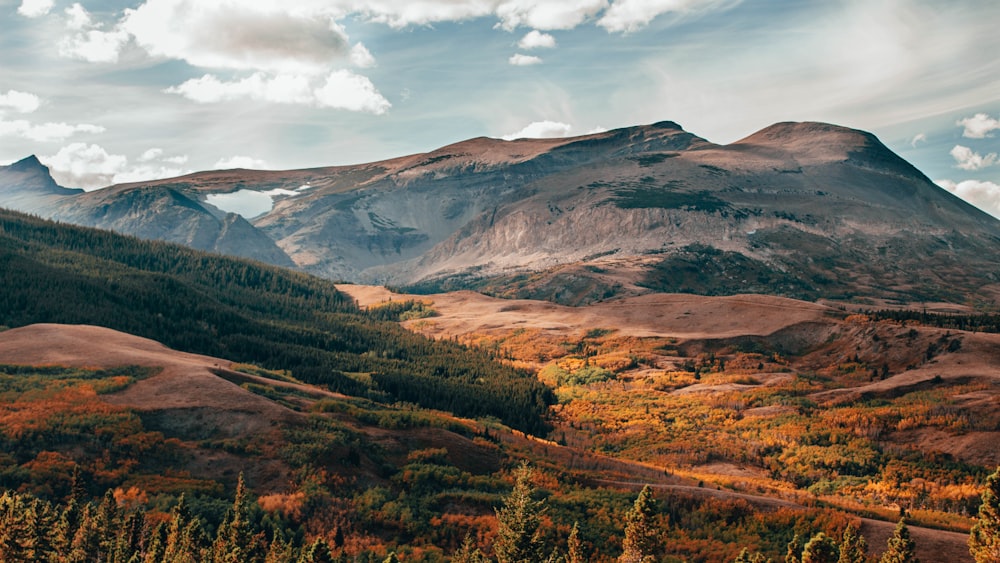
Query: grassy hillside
point(246, 311)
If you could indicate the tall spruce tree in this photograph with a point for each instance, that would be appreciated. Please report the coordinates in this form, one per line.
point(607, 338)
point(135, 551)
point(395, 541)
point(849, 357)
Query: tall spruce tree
point(519, 533)
point(853, 547)
point(574, 548)
point(793, 552)
point(900, 548)
point(640, 530)
point(984, 540)
point(468, 553)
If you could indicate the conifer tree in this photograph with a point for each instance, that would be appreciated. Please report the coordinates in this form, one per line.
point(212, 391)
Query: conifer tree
point(185, 539)
point(468, 553)
point(574, 549)
point(853, 547)
point(793, 553)
point(280, 550)
point(984, 540)
point(132, 538)
point(900, 548)
point(519, 534)
point(86, 544)
point(317, 552)
point(640, 533)
point(821, 548)
point(235, 541)
point(107, 519)
point(391, 558)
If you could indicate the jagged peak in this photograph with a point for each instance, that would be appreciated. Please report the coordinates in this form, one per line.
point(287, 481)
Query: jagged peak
point(28, 163)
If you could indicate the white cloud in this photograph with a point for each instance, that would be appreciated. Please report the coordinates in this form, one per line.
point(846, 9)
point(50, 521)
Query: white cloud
point(984, 195)
point(94, 45)
point(151, 154)
point(518, 59)
point(632, 15)
point(287, 37)
point(146, 173)
point(181, 159)
point(535, 39)
point(240, 162)
point(547, 14)
point(361, 57)
point(967, 159)
point(541, 130)
point(45, 132)
point(80, 165)
point(35, 8)
point(77, 17)
point(353, 92)
point(978, 126)
point(918, 138)
point(21, 102)
point(88, 41)
point(281, 89)
point(342, 89)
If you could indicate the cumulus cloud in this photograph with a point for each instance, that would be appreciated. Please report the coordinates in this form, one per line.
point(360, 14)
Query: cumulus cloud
point(632, 15)
point(35, 8)
point(535, 39)
point(87, 41)
point(547, 14)
point(361, 57)
point(342, 89)
point(984, 195)
point(967, 159)
point(80, 165)
point(518, 59)
point(541, 130)
point(146, 173)
point(978, 126)
point(231, 34)
point(240, 162)
point(21, 102)
point(353, 92)
point(282, 89)
point(45, 132)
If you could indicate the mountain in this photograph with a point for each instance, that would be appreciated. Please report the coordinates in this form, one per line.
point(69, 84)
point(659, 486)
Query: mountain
point(804, 210)
point(159, 213)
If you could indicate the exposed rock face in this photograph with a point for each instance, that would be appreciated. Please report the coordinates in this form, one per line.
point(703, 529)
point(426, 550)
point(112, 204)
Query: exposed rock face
point(152, 213)
point(799, 209)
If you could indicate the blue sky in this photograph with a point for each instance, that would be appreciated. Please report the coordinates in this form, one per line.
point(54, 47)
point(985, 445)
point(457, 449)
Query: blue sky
point(109, 91)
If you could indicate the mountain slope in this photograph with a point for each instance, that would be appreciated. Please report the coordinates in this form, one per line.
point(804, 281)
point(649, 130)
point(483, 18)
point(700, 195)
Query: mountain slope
point(804, 210)
point(159, 214)
point(245, 311)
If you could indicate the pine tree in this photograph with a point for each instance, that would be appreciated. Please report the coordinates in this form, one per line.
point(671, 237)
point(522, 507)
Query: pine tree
point(821, 548)
point(108, 522)
point(468, 553)
point(640, 534)
point(234, 540)
point(280, 551)
point(391, 558)
point(900, 546)
point(185, 538)
point(574, 549)
point(793, 552)
point(317, 552)
point(984, 540)
point(519, 534)
point(853, 547)
point(86, 544)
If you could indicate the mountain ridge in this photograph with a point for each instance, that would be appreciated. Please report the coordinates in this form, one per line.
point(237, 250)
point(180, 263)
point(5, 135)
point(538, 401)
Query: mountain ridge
point(486, 213)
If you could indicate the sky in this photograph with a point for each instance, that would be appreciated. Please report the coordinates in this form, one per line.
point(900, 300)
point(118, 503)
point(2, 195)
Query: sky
point(111, 91)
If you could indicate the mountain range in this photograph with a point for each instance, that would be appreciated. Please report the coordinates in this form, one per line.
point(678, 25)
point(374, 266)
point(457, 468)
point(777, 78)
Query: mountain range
point(804, 210)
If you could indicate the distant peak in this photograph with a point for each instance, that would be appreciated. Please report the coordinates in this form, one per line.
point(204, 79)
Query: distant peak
point(28, 163)
point(667, 125)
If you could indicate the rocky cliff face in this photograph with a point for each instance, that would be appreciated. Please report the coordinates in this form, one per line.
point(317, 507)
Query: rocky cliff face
point(803, 209)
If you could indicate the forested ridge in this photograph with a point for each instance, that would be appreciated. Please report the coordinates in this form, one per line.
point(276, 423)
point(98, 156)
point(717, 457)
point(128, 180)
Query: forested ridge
point(250, 312)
